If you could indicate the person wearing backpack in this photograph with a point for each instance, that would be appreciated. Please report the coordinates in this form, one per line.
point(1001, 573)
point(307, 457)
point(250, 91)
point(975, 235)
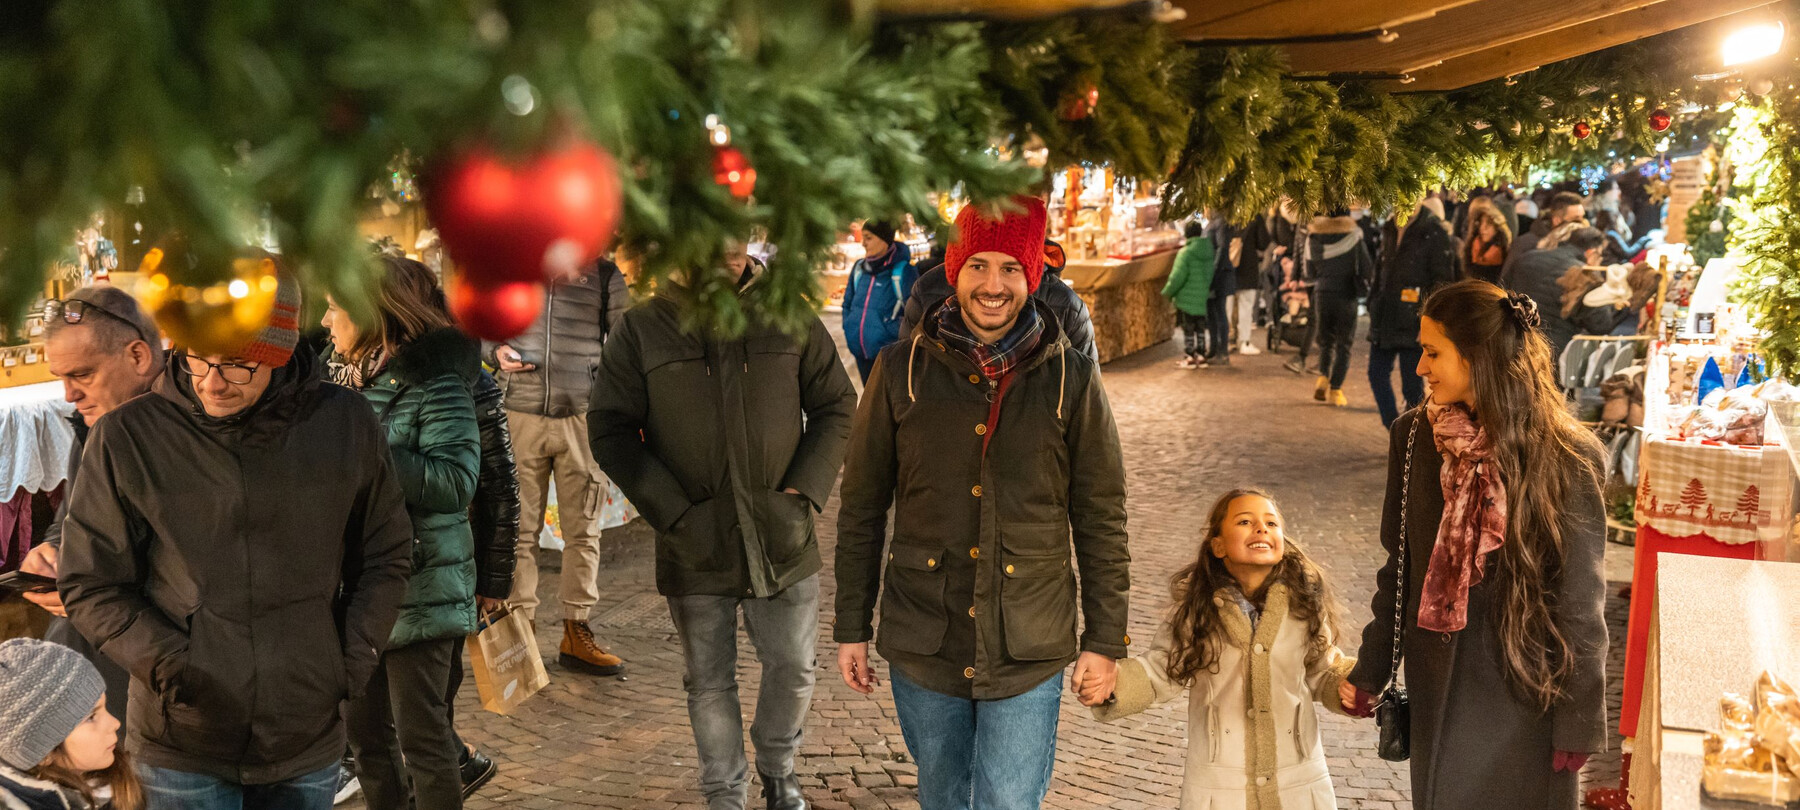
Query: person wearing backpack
point(875, 299)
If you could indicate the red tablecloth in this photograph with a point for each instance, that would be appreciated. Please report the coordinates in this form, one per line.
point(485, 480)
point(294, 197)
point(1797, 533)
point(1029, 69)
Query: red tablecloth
point(1650, 543)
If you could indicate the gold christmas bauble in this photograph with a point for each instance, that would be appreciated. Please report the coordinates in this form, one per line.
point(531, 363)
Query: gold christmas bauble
point(215, 319)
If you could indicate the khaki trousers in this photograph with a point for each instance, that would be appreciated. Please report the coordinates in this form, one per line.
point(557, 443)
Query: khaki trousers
point(546, 447)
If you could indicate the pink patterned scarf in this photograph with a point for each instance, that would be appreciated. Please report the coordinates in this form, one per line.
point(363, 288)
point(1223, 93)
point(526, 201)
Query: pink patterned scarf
point(1474, 521)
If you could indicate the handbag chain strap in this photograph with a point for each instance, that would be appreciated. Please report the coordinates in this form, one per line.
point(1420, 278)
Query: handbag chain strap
point(1400, 582)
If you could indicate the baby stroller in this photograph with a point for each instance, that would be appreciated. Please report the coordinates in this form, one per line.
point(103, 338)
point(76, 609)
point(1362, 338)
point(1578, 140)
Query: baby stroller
point(1289, 307)
point(1293, 323)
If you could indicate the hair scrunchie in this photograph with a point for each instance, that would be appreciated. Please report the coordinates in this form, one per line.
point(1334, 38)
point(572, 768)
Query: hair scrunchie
point(1524, 310)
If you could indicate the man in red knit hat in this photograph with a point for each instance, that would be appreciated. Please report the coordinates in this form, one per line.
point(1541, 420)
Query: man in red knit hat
point(237, 540)
point(994, 442)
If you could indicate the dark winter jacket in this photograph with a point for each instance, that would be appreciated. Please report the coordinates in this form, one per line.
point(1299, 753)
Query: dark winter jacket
point(423, 398)
point(565, 343)
point(1522, 246)
point(53, 532)
point(1224, 276)
point(1475, 745)
point(1424, 260)
point(494, 513)
point(246, 571)
point(1538, 275)
point(1337, 260)
point(1190, 280)
point(1065, 305)
point(703, 435)
point(875, 300)
point(980, 590)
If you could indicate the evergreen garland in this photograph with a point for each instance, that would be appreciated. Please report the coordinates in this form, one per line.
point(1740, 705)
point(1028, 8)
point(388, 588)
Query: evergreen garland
point(1769, 285)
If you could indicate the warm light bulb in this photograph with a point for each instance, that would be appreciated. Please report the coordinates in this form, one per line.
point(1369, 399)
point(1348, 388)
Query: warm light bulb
point(1754, 42)
point(238, 288)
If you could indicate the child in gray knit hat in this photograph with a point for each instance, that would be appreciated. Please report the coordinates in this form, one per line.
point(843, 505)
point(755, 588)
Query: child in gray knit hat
point(56, 738)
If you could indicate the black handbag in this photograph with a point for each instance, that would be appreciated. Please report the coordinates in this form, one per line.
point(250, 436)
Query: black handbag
point(1393, 715)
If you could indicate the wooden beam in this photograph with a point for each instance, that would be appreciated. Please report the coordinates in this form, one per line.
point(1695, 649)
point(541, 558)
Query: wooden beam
point(1453, 33)
point(1298, 19)
point(992, 9)
point(1528, 54)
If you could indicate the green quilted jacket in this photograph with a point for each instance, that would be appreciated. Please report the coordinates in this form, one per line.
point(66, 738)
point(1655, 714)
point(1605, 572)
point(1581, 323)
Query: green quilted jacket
point(422, 397)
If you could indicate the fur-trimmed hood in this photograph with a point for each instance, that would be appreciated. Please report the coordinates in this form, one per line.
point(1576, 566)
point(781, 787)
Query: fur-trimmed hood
point(1334, 226)
point(439, 351)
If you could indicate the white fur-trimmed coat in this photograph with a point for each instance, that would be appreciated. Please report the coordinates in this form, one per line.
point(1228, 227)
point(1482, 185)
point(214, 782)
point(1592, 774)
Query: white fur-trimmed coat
point(1253, 732)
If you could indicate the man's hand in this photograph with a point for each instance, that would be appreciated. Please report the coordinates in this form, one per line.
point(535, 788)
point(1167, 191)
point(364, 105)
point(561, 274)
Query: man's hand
point(509, 359)
point(853, 664)
point(41, 560)
point(1094, 678)
point(488, 605)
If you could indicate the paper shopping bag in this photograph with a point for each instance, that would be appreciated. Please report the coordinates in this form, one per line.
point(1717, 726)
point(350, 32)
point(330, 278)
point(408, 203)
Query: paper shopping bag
point(504, 654)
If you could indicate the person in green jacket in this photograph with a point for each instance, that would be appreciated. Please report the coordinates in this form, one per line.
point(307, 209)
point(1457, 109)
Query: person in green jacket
point(1190, 285)
point(418, 373)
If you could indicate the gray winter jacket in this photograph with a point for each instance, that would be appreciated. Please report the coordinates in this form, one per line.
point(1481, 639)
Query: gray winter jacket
point(565, 343)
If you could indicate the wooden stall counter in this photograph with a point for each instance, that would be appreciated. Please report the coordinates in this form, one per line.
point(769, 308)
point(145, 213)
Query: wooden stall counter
point(1719, 624)
point(1124, 297)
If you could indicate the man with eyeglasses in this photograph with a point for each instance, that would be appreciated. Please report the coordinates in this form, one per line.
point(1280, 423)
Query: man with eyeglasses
point(238, 541)
point(106, 350)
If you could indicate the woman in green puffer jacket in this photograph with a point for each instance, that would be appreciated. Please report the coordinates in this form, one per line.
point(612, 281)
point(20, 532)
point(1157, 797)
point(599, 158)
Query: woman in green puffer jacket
point(417, 372)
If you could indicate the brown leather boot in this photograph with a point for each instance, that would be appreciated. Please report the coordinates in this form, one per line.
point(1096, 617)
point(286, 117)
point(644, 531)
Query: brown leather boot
point(580, 651)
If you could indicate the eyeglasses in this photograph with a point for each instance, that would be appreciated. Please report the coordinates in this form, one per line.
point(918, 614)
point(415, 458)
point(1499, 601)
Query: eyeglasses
point(230, 372)
point(73, 311)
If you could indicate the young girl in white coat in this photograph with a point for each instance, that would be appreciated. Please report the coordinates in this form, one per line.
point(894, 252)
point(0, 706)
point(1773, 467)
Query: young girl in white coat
point(1251, 640)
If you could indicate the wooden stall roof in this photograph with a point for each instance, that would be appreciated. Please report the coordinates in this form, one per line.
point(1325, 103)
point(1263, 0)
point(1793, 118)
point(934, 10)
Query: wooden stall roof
point(1419, 45)
point(1442, 44)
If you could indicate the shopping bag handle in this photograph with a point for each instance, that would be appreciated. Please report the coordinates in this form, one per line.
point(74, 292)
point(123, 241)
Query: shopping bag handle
point(486, 618)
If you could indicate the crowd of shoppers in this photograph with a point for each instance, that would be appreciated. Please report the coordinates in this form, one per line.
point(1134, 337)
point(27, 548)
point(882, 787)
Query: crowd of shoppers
point(262, 619)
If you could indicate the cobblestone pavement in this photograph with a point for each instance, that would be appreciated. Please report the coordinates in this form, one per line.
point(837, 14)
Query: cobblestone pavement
point(1188, 435)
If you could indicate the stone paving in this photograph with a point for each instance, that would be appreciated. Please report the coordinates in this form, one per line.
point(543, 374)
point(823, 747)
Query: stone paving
point(1188, 435)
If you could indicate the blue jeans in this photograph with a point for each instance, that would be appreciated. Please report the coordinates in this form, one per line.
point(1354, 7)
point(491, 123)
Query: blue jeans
point(980, 754)
point(165, 789)
point(1381, 380)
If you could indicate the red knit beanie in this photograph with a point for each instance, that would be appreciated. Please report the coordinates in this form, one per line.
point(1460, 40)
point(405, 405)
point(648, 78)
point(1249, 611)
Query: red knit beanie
point(1019, 234)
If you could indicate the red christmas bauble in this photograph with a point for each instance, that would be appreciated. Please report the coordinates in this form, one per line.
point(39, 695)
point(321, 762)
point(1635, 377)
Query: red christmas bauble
point(494, 310)
point(506, 222)
point(732, 170)
point(1079, 105)
point(1660, 119)
point(1582, 130)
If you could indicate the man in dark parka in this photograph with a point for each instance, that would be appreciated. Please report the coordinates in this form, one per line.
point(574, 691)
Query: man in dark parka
point(993, 439)
point(247, 594)
point(729, 447)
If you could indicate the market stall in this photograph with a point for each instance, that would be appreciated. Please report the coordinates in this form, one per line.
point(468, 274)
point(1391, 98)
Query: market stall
point(1119, 256)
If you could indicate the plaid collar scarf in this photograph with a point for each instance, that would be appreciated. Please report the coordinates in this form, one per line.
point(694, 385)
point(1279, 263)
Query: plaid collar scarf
point(998, 359)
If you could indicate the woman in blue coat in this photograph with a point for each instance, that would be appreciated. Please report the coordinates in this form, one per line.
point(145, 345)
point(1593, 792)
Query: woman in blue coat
point(876, 294)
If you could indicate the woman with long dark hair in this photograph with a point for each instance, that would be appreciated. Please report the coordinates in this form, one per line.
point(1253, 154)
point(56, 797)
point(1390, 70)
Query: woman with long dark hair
point(417, 371)
point(1484, 250)
point(1495, 490)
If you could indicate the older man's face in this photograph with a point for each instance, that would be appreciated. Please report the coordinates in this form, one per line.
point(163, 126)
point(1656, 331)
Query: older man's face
point(94, 379)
